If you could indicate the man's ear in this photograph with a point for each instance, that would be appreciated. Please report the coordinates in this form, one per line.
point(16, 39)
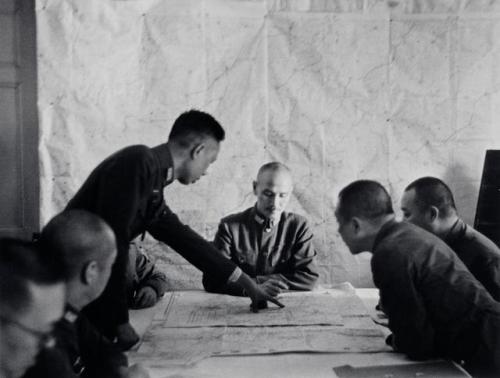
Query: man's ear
point(433, 213)
point(196, 150)
point(90, 272)
point(254, 185)
point(356, 225)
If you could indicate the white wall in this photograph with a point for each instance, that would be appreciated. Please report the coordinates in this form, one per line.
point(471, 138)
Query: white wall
point(338, 90)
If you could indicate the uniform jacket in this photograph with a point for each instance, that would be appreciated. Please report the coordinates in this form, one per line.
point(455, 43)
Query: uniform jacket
point(284, 251)
point(435, 306)
point(126, 190)
point(479, 254)
point(80, 351)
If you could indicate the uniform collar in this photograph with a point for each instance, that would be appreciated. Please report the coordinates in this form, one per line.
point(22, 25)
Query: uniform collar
point(267, 224)
point(384, 231)
point(166, 163)
point(456, 231)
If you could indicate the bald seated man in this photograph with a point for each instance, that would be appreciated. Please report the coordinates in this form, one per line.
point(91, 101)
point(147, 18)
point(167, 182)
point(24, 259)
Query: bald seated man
point(428, 203)
point(435, 306)
point(87, 247)
point(31, 302)
point(267, 243)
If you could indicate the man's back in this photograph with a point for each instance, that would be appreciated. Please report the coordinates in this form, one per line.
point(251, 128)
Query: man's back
point(435, 306)
point(479, 254)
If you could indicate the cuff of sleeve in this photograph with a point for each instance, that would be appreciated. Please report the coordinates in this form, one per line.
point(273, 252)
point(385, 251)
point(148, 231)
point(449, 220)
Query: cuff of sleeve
point(235, 276)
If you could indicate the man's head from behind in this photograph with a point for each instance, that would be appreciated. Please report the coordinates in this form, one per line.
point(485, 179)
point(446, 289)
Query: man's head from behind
point(31, 301)
point(87, 246)
point(273, 188)
point(196, 136)
point(428, 202)
point(362, 208)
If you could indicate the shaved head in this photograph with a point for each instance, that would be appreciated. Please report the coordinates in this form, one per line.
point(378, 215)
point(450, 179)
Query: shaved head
point(365, 199)
point(431, 191)
point(273, 188)
point(79, 236)
point(274, 168)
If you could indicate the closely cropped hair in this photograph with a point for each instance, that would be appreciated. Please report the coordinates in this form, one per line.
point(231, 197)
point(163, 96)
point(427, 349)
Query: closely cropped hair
point(364, 198)
point(195, 123)
point(22, 263)
point(77, 237)
point(273, 166)
point(431, 191)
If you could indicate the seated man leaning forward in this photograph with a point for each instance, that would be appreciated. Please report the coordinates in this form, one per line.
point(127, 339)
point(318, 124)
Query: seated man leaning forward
point(435, 306)
point(266, 242)
point(429, 203)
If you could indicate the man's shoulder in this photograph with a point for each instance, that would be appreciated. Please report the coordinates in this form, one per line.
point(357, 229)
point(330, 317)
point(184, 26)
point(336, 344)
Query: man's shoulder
point(137, 151)
point(295, 219)
point(480, 243)
point(241, 217)
point(410, 242)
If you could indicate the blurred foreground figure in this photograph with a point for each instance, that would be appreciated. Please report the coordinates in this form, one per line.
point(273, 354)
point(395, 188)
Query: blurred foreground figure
point(31, 301)
point(86, 246)
point(435, 306)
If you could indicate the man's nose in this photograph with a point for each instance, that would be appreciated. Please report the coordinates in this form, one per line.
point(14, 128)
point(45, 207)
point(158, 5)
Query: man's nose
point(276, 201)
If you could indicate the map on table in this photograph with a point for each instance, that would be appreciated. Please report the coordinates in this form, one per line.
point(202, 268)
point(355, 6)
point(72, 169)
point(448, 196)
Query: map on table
point(215, 310)
point(192, 326)
point(186, 346)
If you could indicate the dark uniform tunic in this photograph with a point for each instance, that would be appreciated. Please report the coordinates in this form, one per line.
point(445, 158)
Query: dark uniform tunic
point(126, 190)
point(479, 254)
point(435, 306)
point(80, 351)
point(283, 251)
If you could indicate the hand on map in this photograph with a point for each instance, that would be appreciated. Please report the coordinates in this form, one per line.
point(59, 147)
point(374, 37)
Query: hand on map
point(257, 293)
point(273, 286)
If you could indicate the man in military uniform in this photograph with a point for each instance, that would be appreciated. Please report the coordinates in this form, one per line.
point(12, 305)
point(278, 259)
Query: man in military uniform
point(428, 202)
point(126, 190)
point(87, 247)
point(269, 244)
point(435, 306)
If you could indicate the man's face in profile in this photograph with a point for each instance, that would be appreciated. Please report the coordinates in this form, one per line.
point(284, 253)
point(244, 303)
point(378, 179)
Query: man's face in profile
point(24, 335)
point(411, 212)
point(273, 189)
point(202, 156)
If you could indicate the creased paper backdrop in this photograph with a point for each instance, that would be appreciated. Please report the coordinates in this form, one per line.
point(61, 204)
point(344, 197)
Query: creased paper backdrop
point(337, 89)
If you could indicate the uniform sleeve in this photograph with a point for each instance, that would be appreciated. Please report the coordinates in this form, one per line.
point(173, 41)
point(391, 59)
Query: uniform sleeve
point(222, 242)
point(149, 275)
point(396, 279)
point(196, 250)
point(302, 273)
point(101, 357)
point(491, 278)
